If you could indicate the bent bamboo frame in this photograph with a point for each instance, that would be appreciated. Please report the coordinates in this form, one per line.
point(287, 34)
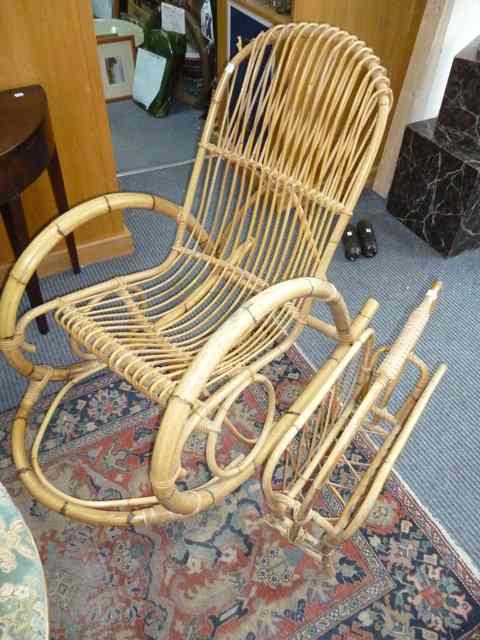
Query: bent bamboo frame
point(291, 135)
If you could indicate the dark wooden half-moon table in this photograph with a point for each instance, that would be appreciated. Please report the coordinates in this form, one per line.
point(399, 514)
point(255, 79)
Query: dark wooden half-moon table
point(27, 147)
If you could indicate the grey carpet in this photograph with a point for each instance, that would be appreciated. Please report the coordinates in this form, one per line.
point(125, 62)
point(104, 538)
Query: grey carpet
point(141, 141)
point(440, 462)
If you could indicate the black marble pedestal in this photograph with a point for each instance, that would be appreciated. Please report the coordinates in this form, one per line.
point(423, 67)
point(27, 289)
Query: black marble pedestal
point(436, 188)
point(459, 117)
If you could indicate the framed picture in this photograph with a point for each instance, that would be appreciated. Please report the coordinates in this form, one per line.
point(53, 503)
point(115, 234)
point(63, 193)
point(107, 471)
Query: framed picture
point(116, 55)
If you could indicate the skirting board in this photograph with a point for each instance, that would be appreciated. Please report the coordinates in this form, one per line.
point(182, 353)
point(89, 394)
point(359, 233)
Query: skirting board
point(96, 251)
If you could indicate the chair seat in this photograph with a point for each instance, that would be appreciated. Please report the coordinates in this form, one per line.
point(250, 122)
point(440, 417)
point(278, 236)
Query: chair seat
point(150, 329)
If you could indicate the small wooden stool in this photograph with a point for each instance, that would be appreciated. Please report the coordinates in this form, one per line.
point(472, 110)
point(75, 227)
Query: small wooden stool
point(27, 147)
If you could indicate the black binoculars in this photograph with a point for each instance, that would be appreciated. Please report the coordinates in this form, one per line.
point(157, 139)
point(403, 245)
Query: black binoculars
point(358, 240)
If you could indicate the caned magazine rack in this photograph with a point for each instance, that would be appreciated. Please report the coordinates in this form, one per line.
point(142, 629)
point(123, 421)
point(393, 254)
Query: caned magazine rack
point(292, 132)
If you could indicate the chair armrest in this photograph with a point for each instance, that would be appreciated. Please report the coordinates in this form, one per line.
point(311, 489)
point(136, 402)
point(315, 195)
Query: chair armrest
point(174, 428)
point(44, 242)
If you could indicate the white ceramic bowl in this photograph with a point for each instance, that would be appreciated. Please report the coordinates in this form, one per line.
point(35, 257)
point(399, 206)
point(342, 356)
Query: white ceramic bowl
point(112, 26)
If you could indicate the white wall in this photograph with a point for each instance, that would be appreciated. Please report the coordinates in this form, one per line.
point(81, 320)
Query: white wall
point(463, 27)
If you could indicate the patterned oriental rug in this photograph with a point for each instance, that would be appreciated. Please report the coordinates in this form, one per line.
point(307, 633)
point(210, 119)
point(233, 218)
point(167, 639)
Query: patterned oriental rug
point(221, 575)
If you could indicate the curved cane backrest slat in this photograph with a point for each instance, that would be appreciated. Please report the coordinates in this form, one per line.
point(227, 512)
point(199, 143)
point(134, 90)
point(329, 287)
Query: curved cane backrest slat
point(298, 114)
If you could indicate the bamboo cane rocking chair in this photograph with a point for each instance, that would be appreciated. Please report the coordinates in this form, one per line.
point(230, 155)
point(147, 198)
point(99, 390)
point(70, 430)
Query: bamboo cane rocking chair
point(291, 135)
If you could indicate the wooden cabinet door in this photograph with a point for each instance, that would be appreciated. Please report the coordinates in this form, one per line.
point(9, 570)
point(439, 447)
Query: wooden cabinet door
point(53, 44)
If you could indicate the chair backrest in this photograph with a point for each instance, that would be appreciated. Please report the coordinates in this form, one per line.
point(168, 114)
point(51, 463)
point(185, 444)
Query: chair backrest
point(291, 136)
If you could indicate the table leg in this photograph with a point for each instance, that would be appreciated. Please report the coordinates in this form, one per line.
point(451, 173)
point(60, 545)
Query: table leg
point(58, 186)
point(16, 227)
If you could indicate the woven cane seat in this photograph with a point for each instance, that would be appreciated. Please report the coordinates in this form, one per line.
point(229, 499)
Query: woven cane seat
point(150, 340)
